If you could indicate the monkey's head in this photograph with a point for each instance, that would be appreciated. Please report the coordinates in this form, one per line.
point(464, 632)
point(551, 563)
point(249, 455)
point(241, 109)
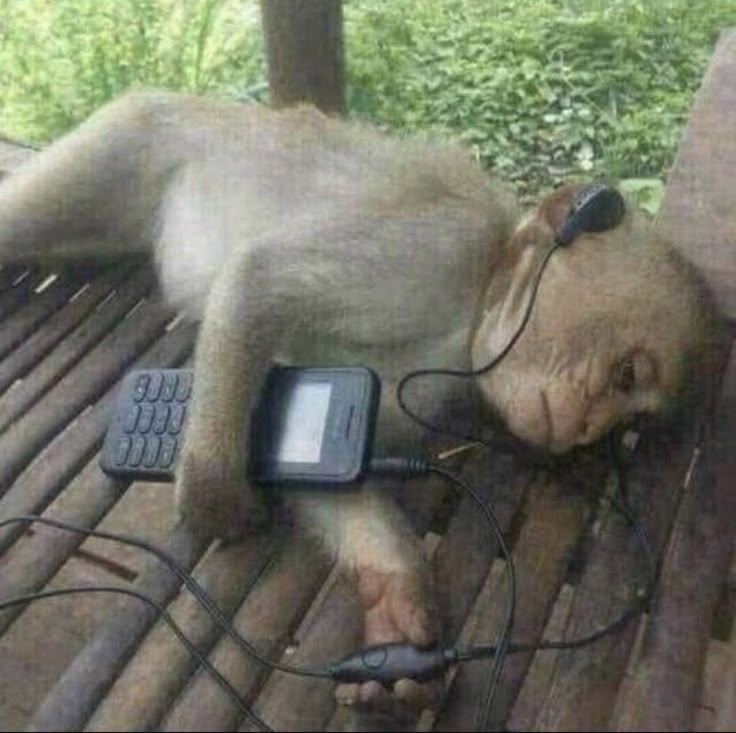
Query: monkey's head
point(620, 326)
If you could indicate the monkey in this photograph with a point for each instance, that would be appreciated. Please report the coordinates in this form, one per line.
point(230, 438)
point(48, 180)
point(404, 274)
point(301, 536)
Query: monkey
point(300, 238)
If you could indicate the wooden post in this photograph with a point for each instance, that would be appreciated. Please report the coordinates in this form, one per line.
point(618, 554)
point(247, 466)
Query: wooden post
point(304, 49)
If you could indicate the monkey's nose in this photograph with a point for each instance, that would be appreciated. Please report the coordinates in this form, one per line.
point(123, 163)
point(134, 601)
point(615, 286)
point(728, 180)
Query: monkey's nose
point(567, 417)
point(528, 418)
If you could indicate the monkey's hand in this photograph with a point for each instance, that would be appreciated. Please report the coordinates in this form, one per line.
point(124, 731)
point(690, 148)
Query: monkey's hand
point(399, 605)
point(213, 496)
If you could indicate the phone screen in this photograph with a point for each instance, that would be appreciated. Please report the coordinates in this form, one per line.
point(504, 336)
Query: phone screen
point(304, 422)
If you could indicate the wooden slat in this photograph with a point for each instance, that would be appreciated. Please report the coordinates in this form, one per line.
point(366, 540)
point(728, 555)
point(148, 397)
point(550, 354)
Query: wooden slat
point(551, 530)
point(469, 543)
point(18, 327)
point(34, 560)
point(75, 696)
point(35, 347)
point(58, 462)
point(333, 635)
point(327, 635)
point(96, 345)
point(154, 676)
point(717, 711)
point(538, 679)
point(34, 653)
point(19, 294)
point(81, 387)
point(583, 692)
point(9, 273)
point(668, 678)
point(268, 618)
point(697, 214)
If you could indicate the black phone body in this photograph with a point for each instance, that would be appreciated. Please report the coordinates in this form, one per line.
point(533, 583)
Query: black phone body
point(310, 426)
point(314, 426)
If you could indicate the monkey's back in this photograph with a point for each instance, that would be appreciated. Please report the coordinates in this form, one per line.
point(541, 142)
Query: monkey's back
point(279, 185)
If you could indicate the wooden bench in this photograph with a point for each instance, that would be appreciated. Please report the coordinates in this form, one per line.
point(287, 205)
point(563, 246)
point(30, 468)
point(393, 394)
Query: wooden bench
point(104, 663)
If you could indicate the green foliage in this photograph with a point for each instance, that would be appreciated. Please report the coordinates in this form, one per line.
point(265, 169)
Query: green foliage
point(544, 89)
point(61, 59)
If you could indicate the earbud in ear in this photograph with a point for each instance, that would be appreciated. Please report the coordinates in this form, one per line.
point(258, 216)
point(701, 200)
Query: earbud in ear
point(597, 208)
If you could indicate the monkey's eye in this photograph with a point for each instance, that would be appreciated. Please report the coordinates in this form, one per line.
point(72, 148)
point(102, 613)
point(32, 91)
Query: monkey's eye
point(625, 379)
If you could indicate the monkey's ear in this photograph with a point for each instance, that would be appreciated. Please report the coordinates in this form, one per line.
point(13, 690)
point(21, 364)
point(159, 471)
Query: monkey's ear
point(543, 223)
point(554, 210)
point(594, 208)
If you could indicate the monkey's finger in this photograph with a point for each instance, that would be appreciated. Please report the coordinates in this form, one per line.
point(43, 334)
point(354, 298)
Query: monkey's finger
point(347, 694)
point(413, 613)
point(416, 696)
point(375, 696)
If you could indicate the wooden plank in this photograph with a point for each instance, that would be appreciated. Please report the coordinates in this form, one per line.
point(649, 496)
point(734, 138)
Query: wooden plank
point(79, 388)
point(21, 292)
point(719, 693)
point(556, 517)
point(18, 327)
point(541, 671)
point(34, 560)
point(667, 683)
point(468, 542)
point(34, 653)
point(337, 629)
point(325, 636)
point(161, 666)
point(697, 211)
point(9, 273)
point(58, 462)
point(87, 345)
point(586, 681)
point(268, 618)
point(26, 356)
point(75, 696)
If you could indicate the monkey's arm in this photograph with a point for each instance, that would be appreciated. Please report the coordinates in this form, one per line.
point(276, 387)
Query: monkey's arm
point(240, 331)
point(375, 543)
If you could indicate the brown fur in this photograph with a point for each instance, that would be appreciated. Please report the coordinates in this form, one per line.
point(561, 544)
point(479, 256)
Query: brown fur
point(298, 237)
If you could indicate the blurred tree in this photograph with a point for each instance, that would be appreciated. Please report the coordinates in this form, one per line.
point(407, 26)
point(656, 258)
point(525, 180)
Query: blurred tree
point(304, 50)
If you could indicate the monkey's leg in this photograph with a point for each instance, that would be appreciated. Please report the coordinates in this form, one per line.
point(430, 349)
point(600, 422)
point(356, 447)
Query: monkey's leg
point(93, 192)
point(376, 545)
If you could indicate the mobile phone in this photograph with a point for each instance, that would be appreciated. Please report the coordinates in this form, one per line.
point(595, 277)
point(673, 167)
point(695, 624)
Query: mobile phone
point(314, 426)
point(310, 426)
point(145, 433)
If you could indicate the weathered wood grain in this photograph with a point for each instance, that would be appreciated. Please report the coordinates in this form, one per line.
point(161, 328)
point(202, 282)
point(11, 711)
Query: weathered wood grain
point(97, 347)
point(74, 697)
point(668, 678)
point(587, 680)
point(539, 677)
point(697, 213)
point(151, 680)
point(28, 354)
point(31, 563)
point(18, 327)
point(268, 618)
point(79, 388)
point(554, 521)
point(60, 461)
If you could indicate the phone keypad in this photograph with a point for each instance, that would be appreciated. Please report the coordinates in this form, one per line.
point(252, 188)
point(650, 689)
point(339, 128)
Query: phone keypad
point(145, 437)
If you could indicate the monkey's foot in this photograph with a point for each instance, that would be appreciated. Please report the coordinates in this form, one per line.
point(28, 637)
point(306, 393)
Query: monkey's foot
point(398, 606)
